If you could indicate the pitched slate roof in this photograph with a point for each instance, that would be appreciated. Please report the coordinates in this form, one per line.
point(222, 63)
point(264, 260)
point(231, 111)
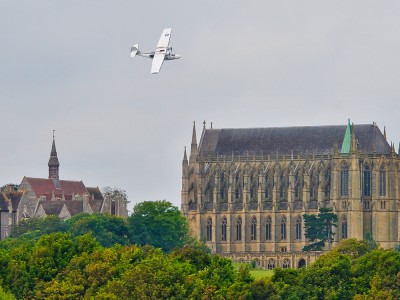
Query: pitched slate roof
point(47, 187)
point(95, 192)
point(51, 207)
point(7, 197)
point(284, 140)
point(55, 207)
point(3, 202)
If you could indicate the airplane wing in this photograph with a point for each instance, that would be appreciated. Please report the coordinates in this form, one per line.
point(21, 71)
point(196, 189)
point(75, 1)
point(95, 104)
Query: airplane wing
point(157, 62)
point(164, 39)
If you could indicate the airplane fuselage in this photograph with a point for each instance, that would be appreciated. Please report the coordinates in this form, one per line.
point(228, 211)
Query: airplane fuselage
point(168, 55)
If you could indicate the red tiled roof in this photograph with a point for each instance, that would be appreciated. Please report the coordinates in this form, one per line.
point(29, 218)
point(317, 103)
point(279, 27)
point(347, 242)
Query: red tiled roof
point(41, 186)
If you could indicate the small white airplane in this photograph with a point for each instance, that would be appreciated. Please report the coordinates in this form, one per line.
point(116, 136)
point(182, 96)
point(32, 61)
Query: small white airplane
point(163, 52)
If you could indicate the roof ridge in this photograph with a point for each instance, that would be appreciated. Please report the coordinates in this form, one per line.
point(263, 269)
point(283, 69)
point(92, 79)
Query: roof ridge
point(66, 180)
point(281, 127)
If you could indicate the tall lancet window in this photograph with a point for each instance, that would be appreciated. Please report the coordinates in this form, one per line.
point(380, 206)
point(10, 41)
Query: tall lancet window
point(344, 180)
point(367, 181)
point(209, 229)
point(382, 181)
point(223, 229)
point(268, 229)
point(239, 229)
point(344, 227)
point(283, 228)
point(298, 228)
point(253, 229)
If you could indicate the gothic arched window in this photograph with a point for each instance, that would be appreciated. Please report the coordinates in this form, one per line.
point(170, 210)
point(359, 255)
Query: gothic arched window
point(382, 181)
point(286, 263)
point(367, 181)
point(268, 229)
point(239, 229)
point(344, 227)
point(253, 229)
point(223, 229)
point(283, 228)
point(344, 180)
point(271, 264)
point(209, 229)
point(298, 228)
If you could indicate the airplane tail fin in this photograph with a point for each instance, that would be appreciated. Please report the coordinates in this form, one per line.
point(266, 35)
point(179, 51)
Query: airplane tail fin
point(135, 50)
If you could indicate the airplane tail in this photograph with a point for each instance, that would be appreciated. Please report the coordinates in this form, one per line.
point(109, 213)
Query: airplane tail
point(135, 50)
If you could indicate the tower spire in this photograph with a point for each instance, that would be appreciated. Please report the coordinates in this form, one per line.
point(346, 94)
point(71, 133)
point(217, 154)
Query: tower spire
point(194, 138)
point(53, 161)
point(184, 155)
point(193, 149)
point(347, 139)
point(384, 132)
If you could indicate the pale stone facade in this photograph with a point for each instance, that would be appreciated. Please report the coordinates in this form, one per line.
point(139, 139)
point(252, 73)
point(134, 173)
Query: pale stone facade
point(41, 197)
point(244, 191)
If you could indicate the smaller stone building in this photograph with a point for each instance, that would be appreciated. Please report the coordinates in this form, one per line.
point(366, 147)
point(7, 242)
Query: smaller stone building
point(41, 197)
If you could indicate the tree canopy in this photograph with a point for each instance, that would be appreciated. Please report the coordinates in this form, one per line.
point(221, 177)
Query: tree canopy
point(318, 229)
point(62, 266)
point(158, 223)
point(107, 229)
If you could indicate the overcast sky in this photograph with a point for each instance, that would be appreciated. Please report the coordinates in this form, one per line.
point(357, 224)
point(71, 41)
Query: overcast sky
point(65, 65)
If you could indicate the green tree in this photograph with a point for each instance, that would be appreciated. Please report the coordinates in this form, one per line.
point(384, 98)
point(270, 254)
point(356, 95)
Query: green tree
point(45, 225)
point(377, 271)
point(157, 223)
point(328, 278)
point(352, 248)
point(107, 229)
point(6, 296)
point(263, 289)
point(318, 229)
point(195, 256)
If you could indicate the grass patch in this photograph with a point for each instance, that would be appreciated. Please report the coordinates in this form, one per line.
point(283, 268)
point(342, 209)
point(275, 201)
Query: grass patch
point(256, 273)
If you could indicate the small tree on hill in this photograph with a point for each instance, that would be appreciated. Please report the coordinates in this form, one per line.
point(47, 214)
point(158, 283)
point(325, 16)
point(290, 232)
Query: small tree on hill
point(318, 229)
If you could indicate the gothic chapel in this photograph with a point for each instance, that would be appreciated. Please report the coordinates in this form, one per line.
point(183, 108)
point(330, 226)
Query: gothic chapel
point(245, 191)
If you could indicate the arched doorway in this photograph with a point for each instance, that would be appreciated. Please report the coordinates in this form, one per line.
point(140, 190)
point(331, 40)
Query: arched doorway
point(302, 263)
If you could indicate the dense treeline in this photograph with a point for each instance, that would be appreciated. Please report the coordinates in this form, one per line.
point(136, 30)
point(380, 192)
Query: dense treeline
point(156, 223)
point(101, 263)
